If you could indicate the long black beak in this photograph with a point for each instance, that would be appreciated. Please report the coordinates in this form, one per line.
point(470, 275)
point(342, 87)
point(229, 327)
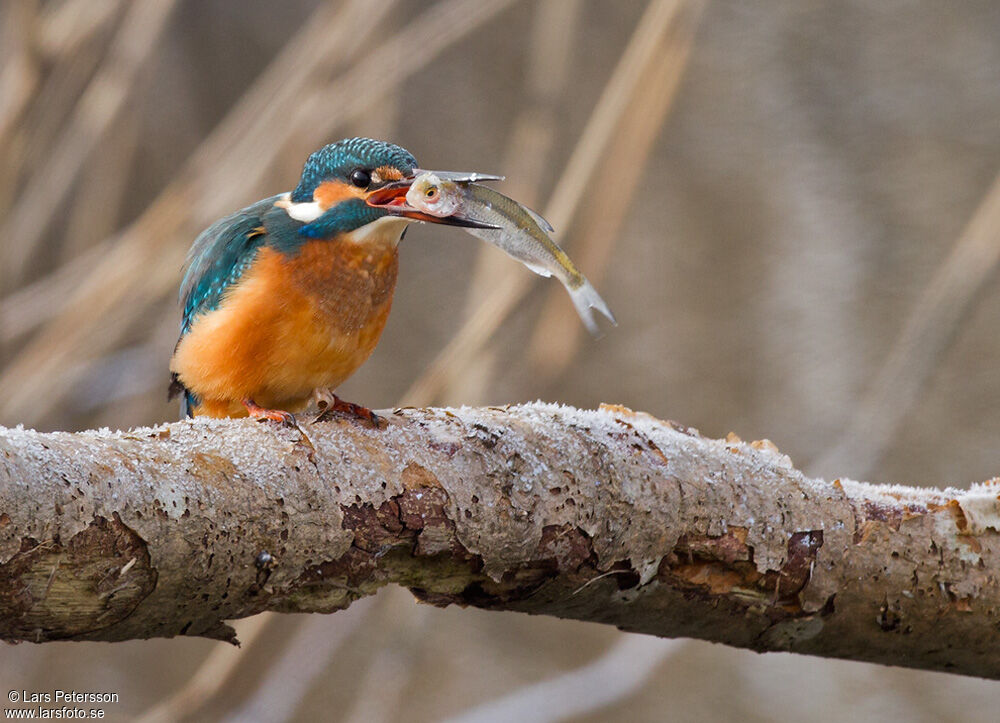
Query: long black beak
point(392, 198)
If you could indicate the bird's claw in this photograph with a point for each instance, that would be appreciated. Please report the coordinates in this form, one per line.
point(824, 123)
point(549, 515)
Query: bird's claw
point(285, 419)
point(330, 404)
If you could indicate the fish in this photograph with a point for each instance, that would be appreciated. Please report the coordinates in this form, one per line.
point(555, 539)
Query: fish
point(522, 233)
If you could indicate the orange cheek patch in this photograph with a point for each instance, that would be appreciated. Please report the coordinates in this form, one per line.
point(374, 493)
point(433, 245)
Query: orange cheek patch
point(330, 193)
point(389, 173)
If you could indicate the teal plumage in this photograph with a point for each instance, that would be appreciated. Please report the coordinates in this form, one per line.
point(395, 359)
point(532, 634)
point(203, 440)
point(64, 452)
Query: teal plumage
point(218, 258)
point(226, 249)
point(291, 293)
point(344, 217)
point(340, 158)
point(220, 255)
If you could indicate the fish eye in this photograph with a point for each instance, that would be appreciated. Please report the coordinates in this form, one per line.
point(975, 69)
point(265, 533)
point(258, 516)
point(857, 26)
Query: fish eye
point(431, 191)
point(361, 178)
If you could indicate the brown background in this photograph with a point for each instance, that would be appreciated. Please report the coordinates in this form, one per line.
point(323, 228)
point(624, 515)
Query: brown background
point(817, 166)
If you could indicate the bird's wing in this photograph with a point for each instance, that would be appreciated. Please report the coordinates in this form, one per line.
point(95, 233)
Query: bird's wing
point(218, 258)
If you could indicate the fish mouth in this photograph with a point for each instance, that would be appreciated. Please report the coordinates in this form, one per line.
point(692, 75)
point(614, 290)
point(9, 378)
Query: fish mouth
point(391, 198)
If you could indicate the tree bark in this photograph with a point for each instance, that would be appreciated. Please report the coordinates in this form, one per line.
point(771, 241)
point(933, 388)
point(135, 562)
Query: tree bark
point(609, 516)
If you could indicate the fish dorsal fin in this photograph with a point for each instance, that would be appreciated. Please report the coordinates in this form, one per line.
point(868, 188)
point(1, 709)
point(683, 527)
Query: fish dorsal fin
point(546, 226)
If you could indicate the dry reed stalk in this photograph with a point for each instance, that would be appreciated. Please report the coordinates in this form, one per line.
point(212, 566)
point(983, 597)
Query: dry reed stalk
point(96, 110)
point(215, 670)
point(626, 666)
point(27, 144)
point(935, 321)
point(145, 263)
point(577, 176)
point(64, 27)
point(629, 663)
point(42, 374)
point(130, 371)
point(72, 38)
point(320, 108)
point(528, 153)
point(250, 139)
point(97, 204)
point(19, 72)
point(397, 638)
point(32, 305)
point(294, 672)
point(219, 667)
point(557, 334)
point(259, 112)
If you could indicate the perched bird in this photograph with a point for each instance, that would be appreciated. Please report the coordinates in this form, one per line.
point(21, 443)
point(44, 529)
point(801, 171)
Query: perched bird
point(291, 294)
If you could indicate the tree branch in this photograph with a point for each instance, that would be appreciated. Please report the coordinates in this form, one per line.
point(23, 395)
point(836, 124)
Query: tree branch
point(609, 516)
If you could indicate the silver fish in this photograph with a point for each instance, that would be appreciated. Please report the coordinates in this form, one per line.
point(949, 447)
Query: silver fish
point(508, 225)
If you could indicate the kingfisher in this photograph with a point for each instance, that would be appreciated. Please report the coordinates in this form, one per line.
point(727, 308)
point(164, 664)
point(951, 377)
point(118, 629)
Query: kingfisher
point(290, 294)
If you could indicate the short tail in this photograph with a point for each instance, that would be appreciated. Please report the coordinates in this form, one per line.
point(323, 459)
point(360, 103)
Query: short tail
point(188, 400)
point(587, 300)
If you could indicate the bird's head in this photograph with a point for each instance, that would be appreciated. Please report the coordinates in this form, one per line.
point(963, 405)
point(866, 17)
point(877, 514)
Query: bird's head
point(341, 182)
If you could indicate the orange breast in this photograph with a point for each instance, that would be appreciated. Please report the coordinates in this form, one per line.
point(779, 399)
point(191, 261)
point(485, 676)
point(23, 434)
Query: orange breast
point(292, 323)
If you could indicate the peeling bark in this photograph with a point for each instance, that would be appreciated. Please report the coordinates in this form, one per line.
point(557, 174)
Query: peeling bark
point(609, 516)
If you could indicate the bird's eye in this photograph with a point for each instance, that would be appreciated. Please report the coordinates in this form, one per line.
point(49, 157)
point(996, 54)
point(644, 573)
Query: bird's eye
point(361, 178)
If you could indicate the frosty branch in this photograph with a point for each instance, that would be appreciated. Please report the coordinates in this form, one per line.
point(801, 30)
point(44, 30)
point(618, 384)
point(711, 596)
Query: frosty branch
point(608, 516)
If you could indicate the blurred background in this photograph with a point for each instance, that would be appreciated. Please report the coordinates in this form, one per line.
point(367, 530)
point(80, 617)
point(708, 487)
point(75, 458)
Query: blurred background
point(792, 208)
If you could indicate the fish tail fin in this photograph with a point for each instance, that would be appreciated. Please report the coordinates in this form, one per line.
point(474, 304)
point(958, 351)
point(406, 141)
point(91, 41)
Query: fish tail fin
point(586, 300)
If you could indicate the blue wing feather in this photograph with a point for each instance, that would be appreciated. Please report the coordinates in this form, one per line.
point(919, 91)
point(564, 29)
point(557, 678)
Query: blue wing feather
point(220, 255)
point(224, 251)
point(218, 258)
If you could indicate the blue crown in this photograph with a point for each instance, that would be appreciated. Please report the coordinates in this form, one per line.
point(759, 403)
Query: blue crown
point(339, 159)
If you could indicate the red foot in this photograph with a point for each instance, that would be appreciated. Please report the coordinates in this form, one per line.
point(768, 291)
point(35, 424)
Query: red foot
point(337, 405)
point(275, 415)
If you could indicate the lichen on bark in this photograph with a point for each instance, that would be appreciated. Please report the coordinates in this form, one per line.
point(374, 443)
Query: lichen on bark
point(605, 515)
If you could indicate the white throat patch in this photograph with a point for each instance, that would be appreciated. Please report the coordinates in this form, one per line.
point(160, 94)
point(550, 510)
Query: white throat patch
point(385, 230)
point(306, 211)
